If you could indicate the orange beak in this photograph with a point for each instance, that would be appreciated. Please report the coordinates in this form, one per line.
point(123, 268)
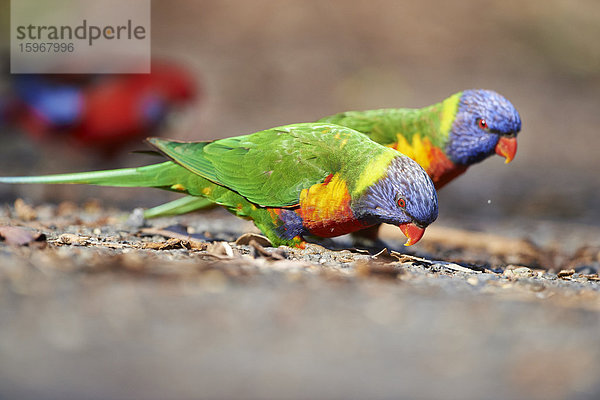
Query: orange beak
point(507, 148)
point(412, 232)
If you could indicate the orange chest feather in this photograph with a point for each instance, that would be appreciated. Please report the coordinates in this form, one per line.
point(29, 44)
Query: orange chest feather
point(433, 160)
point(325, 208)
point(442, 170)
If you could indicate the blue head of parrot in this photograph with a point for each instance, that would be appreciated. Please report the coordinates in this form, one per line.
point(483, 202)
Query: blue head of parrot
point(404, 197)
point(485, 122)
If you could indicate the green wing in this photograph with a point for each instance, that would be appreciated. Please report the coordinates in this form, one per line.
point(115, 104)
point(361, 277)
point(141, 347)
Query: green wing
point(270, 168)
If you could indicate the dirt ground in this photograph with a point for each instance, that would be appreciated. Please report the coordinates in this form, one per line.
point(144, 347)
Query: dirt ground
point(97, 303)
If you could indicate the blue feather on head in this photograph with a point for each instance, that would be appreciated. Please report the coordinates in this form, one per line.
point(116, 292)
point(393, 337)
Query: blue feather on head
point(483, 118)
point(404, 195)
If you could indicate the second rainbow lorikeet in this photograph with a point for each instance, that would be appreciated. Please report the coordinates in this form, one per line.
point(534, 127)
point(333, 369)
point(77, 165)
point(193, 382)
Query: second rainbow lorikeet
point(303, 179)
point(445, 138)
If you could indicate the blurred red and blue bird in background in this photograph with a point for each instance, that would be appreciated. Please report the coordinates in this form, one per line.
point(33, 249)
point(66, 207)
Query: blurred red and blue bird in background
point(99, 113)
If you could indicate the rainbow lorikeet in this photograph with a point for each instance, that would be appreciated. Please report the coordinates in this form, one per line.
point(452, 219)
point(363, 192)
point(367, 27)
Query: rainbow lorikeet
point(304, 179)
point(444, 138)
point(98, 112)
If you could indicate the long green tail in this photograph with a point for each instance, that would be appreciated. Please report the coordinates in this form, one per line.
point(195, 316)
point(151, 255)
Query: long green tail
point(167, 175)
point(161, 175)
point(180, 206)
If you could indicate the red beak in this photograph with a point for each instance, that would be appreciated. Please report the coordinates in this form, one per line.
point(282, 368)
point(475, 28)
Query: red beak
point(412, 232)
point(507, 148)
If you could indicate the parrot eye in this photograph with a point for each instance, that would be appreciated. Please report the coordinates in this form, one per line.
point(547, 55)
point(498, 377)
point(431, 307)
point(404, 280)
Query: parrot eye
point(482, 123)
point(401, 202)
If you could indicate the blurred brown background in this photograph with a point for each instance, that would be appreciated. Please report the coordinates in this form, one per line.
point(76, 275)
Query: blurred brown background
point(265, 63)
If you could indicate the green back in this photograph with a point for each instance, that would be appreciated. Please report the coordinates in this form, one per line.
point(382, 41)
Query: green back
point(383, 125)
point(270, 168)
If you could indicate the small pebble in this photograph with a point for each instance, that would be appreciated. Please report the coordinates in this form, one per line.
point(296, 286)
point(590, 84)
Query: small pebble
point(473, 281)
point(565, 273)
point(136, 218)
point(69, 238)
